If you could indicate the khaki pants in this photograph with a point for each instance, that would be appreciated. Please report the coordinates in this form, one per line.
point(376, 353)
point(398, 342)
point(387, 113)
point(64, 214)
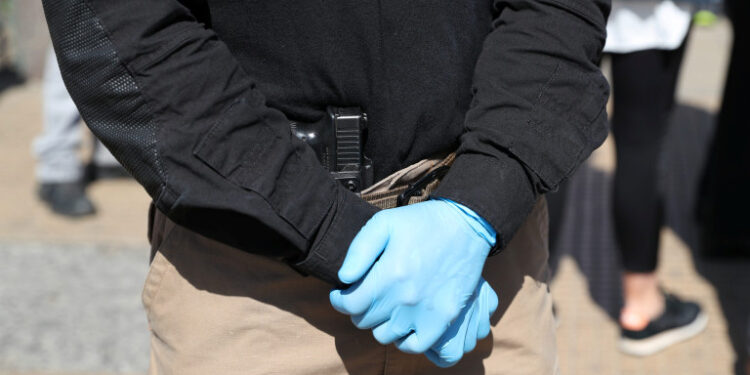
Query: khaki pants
point(213, 309)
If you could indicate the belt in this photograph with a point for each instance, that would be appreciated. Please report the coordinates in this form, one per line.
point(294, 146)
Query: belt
point(410, 185)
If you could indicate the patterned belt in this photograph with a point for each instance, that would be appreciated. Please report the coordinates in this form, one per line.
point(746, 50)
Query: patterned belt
point(410, 185)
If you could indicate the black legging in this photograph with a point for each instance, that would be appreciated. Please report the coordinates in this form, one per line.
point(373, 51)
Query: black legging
point(643, 90)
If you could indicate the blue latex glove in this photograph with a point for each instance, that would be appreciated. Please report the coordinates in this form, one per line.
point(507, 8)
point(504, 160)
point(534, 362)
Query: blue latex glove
point(472, 325)
point(431, 256)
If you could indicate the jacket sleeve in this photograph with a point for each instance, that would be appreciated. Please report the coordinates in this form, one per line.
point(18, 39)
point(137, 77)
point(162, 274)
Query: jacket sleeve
point(170, 101)
point(538, 108)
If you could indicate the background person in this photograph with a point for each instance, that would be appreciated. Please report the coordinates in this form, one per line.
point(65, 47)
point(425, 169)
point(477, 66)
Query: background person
point(60, 172)
point(646, 41)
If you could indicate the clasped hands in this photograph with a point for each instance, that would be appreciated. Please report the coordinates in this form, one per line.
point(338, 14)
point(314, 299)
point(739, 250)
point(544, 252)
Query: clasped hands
point(416, 279)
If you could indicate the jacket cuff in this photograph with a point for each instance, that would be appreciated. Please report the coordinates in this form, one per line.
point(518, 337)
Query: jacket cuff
point(336, 233)
point(498, 189)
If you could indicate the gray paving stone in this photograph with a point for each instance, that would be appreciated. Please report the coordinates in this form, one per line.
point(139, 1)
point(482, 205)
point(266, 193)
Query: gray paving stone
point(72, 308)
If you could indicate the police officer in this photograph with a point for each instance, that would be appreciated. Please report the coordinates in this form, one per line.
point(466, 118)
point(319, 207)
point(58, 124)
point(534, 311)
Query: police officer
point(195, 98)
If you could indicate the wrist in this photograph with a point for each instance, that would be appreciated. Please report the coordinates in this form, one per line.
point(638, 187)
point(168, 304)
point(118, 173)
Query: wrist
point(480, 226)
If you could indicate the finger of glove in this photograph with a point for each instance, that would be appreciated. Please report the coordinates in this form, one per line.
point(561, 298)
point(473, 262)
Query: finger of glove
point(435, 358)
point(358, 298)
point(374, 316)
point(444, 322)
point(485, 310)
point(450, 347)
point(428, 330)
point(488, 304)
point(472, 327)
point(390, 331)
point(364, 250)
point(456, 330)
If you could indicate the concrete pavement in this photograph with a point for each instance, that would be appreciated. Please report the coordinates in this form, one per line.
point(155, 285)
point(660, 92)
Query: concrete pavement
point(72, 307)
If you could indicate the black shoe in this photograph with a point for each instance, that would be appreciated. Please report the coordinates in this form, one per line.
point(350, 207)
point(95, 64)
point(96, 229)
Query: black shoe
point(680, 321)
point(8, 77)
point(67, 199)
point(93, 172)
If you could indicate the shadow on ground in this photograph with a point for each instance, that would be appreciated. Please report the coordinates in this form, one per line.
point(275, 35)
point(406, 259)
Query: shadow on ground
point(581, 226)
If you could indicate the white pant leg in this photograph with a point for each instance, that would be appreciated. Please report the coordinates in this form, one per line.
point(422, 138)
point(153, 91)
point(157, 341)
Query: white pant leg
point(102, 156)
point(57, 147)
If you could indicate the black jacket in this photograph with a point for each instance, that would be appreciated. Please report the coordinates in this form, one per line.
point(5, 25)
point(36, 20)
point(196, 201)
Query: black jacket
point(194, 98)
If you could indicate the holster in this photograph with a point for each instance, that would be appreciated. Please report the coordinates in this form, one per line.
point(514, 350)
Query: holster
point(338, 142)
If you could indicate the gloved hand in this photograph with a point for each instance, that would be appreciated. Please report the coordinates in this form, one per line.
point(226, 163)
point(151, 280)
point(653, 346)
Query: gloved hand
point(431, 259)
point(472, 325)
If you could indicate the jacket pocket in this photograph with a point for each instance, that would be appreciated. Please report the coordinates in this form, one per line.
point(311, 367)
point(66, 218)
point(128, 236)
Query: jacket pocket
point(235, 144)
point(255, 152)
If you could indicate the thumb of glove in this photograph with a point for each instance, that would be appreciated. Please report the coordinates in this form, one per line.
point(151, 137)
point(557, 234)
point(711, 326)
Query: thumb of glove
point(365, 249)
